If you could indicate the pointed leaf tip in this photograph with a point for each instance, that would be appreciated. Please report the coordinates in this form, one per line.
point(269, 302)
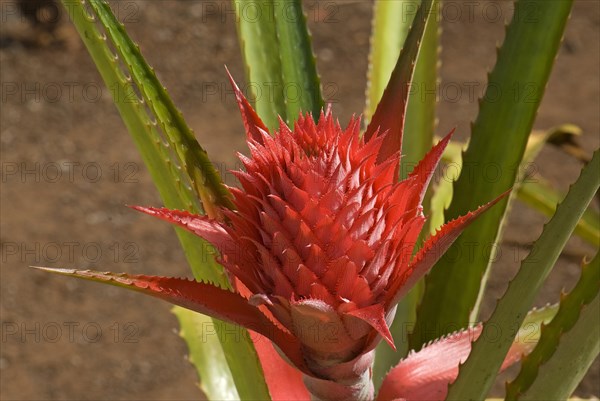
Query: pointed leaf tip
point(202, 226)
point(433, 249)
point(374, 315)
point(252, 122)
point(54, 270)
point(390, 112)
point(199, 297)
point(425, 169)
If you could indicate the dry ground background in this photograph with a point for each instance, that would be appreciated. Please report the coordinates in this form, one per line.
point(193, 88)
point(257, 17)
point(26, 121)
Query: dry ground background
point(64, 339)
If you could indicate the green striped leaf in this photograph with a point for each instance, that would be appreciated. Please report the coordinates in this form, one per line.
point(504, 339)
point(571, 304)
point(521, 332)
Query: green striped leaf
point(205, 179)
point(568, 344)
point(206, 354)
point(490, 164)
point(479, 371)
point(171, 179)
point(280, 65)
point(301, 82)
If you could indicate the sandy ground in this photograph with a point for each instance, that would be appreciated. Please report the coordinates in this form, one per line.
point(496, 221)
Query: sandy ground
point(69, 167)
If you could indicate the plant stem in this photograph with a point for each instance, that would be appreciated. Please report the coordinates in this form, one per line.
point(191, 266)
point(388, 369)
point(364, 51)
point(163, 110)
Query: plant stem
point(355, 389)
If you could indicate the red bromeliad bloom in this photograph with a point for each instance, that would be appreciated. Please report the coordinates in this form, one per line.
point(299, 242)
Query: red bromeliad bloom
point(319, 249)
point(321, 239)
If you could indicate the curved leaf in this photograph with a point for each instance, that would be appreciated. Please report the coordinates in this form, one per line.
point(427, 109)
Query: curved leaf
point(478, 373)
point(197, 296)
point(206, 354)
point(203, 175)
point(163, 168)
point(568, 344)
point(498, 139)
point(200, 297)
point(434, 247)
point(172, 184)
point(425, 375)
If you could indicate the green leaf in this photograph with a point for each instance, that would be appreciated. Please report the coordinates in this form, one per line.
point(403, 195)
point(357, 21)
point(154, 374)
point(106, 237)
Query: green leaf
point(205, 179)
point(419, 127)
point(163, 167)
point(206, 354)
point(390, 112)
point(260, 48)
point(530, 330)
point(302, 88)
point(490, 164)
point(391, 22)
point(442, 195)
point(478, 373)
point(207, 339)
point(568, 344)
point(280, 66)
point(173, 185)
point(534, 191)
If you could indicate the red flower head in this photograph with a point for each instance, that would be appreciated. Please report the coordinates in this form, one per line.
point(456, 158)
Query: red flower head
point(319, 246)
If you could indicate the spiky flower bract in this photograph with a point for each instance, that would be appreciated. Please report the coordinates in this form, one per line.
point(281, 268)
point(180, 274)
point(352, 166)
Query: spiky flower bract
point(322, 237)
point(319, 247)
